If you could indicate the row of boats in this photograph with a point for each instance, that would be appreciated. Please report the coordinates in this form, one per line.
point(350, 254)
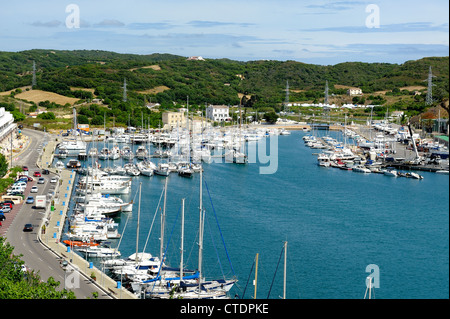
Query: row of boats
point(339, 156)
point(91, 227)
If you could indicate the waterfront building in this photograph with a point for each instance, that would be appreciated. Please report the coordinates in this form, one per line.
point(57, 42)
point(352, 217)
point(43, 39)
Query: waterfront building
point(172, 119)
point(218, 113)
point(7, 124)
point(354, 91)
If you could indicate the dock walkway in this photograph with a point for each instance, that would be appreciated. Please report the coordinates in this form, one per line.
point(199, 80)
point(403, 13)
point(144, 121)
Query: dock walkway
point(55, 216)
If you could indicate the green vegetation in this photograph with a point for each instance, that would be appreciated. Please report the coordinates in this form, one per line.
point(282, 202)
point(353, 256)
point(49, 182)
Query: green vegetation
point(17, 284)
point(3, 165)
point(88, 75)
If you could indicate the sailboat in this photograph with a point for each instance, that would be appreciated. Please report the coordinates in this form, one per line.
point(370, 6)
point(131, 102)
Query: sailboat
point(136, 266)
point(199, 288)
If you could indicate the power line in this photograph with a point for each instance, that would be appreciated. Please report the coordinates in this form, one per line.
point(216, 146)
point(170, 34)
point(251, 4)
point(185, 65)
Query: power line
point(33, 82)
point(429, 98)
point(124, 90)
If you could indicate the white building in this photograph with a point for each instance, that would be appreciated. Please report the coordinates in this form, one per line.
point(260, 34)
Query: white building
point(6, 123)
point(218, 113)
point(195, 58)
point(354, 91)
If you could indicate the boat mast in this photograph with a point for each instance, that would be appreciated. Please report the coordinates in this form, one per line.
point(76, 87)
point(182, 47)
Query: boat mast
point(256, 274)
point(163, 219)
point(200, 234)
point(182, 240)
point(369, 287)
point(284, 278)
point(137, 228)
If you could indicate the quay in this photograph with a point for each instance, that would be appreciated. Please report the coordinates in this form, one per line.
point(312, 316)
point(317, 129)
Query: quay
point(52, 225)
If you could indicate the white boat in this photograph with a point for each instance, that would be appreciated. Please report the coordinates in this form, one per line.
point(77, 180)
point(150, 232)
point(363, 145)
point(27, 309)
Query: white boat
point(146, 167)
point(73, 164)
point(185, 171)
point(442, 171)
point(141, 152)
point(127, 153)
point(99, 252)
point(233, 156)
point(162, 169)
point(139, 138)
point(323, 160)
point(82, 155)
point(361, 169)
point(104, 153)
point(414, 175)
point(122, 139)
point(59, 165)
point(133, 170)
point(390, 172)
point(116, 203)
point(93, 152)
point(118, 170)
point(133, 259)
point(72, 147)
point(115, 153)
point(62, 153)
point(105, 187)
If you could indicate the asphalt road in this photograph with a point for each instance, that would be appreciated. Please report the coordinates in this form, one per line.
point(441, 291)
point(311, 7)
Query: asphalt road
point(35, 255)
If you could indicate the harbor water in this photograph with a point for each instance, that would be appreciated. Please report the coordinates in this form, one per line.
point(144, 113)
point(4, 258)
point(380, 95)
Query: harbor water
point(339, 226)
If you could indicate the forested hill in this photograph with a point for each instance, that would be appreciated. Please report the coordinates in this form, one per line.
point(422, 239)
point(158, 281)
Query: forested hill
point(169, 78)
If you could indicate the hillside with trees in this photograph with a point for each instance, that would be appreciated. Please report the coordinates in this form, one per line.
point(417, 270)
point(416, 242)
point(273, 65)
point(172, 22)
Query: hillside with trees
point(169, 79)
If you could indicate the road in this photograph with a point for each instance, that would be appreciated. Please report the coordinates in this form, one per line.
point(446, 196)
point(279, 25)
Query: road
point(35, 255)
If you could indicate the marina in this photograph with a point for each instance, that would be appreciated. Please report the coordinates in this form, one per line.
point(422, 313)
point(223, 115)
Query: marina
point(225, 180)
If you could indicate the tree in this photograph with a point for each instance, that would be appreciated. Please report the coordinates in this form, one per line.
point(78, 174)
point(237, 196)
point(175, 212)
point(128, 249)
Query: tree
point(97, 120)
point(82, 119)
point(271, 117)
point(47, 116)
point(3, 165)
point(17, 284)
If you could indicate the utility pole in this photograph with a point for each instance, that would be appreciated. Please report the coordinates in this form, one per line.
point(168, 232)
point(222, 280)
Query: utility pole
point(286, 100)
point(124, 90)
point(33, 82)
point(429, 98)
point(326, 102)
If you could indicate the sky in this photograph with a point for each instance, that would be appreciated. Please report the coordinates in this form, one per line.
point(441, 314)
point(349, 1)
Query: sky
point(319, 32)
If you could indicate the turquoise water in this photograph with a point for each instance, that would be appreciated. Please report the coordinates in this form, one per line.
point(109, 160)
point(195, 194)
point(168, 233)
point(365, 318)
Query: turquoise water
point(336, 223)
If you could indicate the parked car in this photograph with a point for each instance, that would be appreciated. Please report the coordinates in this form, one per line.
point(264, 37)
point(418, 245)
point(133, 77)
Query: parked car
point(30, 200)
point(45, 172)
point(37, 174)
point(28, 227)
point(14, 193)
point(54, 180)
point(22, 183)
point(29, 178)
point(2, 217)
point(7, 203)
point(41, 180)
point(34, 189)
point(5, 209)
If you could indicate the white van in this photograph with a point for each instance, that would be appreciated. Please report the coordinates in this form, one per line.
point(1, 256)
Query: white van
point(20, 183)
point(17, 188)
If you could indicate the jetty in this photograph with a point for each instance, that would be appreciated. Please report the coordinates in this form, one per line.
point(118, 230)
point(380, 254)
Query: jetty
point(52, 225)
